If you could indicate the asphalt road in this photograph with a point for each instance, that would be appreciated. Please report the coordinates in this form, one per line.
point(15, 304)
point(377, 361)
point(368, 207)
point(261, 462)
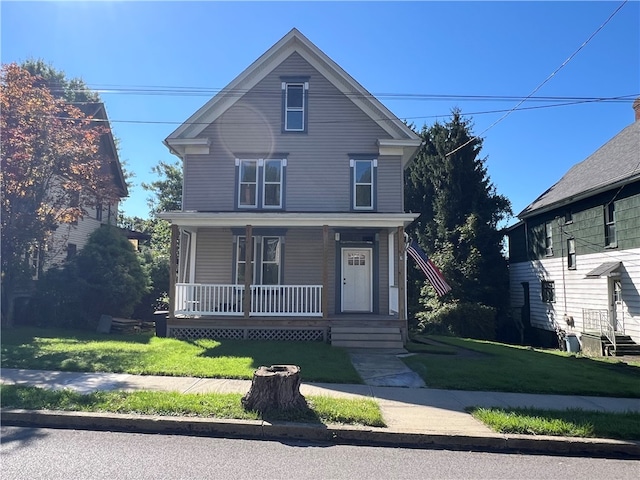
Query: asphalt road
point(28, 453)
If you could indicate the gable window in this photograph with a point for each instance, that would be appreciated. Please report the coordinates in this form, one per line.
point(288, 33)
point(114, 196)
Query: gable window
point(548, 291)
point(548, 242)
point(266, 262)
point(571, 253)
point(260, 183)
point(363, 186)
point(610, 225)
point(294, 104)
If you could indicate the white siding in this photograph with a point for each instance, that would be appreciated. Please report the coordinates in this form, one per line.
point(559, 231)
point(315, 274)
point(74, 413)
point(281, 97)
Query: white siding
point(573, 291)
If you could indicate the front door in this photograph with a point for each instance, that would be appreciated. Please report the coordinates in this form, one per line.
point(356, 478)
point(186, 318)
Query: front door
point(616, 308)
point(356, 280)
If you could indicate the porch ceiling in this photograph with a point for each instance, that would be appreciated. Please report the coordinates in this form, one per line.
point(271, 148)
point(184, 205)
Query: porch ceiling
point(287, 219)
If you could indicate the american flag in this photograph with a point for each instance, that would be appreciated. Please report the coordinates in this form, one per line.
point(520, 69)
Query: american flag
point(435, 277)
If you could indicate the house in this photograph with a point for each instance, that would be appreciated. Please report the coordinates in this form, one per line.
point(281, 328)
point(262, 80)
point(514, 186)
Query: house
point(575, 253)
point(69, 238)
point(292, 221)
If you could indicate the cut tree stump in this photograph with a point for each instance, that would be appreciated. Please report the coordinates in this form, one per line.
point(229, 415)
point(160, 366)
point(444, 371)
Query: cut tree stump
point(275, 388)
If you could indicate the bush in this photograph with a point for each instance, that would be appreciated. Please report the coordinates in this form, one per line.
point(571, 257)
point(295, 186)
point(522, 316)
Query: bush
point(57, 301)
point(460, 319)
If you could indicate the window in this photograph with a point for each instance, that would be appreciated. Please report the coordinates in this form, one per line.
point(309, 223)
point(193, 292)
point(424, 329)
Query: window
point(72, 249)
point(74, 202)
point(261, 183)
point(548, 291)
point(571, 254)
point(266, 261)
point(617, 291)
point(363, 184)
point(272, 191)
point(610, 225)
point(294, 106)
point(248, 188)
point(99, 212)
point(548, 228)
point(568, 217)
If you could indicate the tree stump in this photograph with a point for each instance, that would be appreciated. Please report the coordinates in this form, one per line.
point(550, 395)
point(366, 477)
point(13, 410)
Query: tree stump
point(275, 388)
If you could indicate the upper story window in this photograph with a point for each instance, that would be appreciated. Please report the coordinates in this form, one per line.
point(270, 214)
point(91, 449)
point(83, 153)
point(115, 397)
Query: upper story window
point(610, 225)
point(548, 242)
point(363, 184)
point(294, 104)
point(261, 183)
point(99, 212)
point(571, 253)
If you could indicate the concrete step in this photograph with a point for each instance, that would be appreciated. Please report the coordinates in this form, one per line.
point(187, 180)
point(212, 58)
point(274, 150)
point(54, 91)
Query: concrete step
point(368, 329)
point(373, 344)
point(365, 336)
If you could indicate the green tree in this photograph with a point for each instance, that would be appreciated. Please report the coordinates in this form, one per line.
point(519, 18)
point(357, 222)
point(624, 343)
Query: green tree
point(52, 172)
point(70, 90)
point(112, 279)
point(458, 229)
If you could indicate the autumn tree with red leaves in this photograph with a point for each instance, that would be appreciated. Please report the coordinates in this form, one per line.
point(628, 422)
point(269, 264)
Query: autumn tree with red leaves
point(51, 172)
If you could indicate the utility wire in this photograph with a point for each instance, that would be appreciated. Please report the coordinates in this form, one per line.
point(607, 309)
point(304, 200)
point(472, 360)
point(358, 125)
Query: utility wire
point(338, 122)
point(543, 83)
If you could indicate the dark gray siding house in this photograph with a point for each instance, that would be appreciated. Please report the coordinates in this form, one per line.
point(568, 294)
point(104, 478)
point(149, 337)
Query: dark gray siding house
point(293, 216)
point(575, 254)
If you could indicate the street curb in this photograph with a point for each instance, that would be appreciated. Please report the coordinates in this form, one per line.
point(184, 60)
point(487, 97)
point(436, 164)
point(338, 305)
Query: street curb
point(337, 434)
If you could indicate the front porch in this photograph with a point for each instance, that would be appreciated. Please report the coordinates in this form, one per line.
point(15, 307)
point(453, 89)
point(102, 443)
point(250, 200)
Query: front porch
point(369, 330)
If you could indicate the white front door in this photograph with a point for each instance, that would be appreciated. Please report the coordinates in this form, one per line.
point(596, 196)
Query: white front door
point(616, 314)
point(356, 280)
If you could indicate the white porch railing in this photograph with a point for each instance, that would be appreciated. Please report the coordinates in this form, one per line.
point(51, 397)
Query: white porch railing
point(266, 300)
point(598, 321)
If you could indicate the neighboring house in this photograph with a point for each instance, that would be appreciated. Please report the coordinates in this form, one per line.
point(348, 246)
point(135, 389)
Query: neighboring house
point(292, 221)
point(575, 254)
point(69, 238)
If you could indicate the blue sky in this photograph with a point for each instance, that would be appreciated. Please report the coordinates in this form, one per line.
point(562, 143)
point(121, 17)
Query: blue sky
point(403, 52)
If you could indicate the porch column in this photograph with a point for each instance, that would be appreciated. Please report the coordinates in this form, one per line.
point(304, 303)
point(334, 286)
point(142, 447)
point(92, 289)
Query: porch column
point(402, 280)
point(173, 269)
point(325, 271)
point(248, 271)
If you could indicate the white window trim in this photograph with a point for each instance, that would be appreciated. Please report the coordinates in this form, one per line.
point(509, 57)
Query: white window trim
point(239, 162)
point(283, 163)
point(374, 164)
point(287, 109)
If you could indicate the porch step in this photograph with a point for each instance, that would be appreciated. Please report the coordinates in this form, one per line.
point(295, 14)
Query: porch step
point(366, 337)
point(624, 346)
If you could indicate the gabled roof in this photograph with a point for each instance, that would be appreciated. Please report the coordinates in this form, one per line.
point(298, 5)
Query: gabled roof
point(292, 42)
point(613, 165)
point(98, 111)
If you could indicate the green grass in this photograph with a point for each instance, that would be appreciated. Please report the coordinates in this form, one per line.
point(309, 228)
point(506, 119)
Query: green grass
point(508, 368)
point(146, 354)
point(324, 410)
point(566, 423)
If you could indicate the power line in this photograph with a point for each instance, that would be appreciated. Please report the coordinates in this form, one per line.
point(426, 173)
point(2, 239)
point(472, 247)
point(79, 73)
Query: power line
point(338, 122)
point(544, 82)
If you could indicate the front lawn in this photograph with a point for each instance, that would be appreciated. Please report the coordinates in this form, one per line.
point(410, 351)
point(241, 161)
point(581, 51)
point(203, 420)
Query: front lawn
point(146, 354)
point(506, 368)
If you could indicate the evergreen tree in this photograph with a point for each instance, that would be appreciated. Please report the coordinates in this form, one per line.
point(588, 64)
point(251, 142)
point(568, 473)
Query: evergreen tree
point(458, 229)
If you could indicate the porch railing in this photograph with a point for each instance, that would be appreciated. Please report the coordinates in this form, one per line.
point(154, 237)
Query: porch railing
point(597, 321)
point(266, 300)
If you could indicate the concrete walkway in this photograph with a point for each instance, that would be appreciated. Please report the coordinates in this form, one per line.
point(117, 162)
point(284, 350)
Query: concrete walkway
point(414, 416)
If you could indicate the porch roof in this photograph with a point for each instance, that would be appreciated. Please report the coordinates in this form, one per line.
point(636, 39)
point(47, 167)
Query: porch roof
point(607, 269)
point(288, 219)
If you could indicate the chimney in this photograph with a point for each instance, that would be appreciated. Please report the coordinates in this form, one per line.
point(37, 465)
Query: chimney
point(636, 107)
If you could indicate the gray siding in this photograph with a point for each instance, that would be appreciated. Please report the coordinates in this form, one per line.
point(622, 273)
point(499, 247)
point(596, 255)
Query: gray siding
point(214, 257)
point(318, 172)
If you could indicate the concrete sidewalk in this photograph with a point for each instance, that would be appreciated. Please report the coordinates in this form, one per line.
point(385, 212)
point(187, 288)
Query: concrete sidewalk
point(418, 417)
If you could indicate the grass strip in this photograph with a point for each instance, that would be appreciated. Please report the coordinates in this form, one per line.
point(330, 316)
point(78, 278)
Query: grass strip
point(564, 423)
point(322, 410)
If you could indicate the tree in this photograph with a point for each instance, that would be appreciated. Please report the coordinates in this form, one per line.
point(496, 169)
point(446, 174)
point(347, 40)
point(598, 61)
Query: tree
point(51, 172)
point(71, 91)
point(458, 229)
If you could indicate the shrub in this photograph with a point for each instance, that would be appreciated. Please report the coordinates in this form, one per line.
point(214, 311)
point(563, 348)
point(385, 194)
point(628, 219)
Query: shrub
point(461, 319)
